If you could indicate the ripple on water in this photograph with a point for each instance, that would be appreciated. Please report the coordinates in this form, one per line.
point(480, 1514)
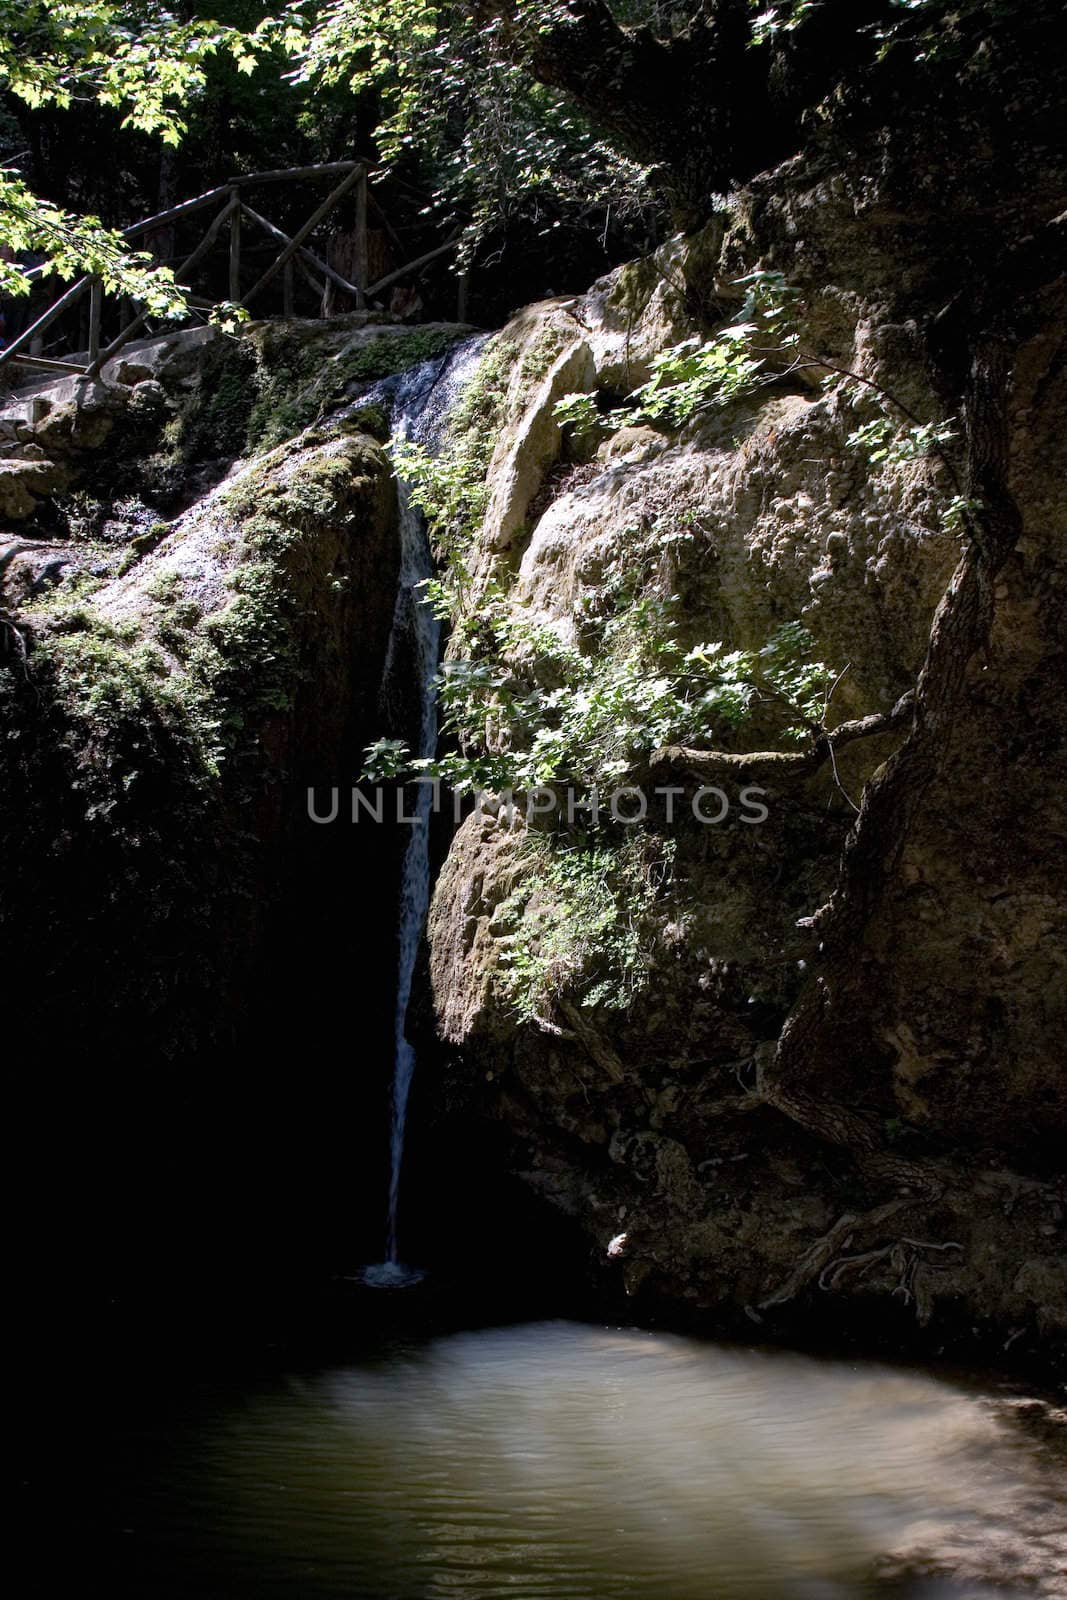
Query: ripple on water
point(564, 1462)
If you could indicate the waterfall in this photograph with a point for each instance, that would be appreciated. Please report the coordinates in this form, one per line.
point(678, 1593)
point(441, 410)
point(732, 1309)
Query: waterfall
point(420, 400)
point(415, 567)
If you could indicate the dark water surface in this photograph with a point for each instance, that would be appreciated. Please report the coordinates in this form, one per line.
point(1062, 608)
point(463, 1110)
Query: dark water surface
point(559, 1461)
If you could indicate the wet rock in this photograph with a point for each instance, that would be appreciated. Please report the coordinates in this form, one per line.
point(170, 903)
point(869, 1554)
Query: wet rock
point(169, 722)
point(526, 451)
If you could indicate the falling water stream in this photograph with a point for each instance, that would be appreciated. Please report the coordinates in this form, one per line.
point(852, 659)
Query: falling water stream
point(419, 401)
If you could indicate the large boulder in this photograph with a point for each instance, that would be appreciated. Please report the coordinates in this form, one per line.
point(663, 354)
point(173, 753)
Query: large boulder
point(160, 738)
point(638, 1111)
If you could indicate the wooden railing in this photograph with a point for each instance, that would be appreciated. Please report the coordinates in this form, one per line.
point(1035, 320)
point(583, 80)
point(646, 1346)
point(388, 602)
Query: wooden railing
point(25, 349)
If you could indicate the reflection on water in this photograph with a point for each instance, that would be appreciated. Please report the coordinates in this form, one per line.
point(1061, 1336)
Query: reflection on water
point(558, 1462)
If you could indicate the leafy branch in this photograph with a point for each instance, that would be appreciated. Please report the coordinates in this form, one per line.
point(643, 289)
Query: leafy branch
point(139, 60)
point(525, 706)
point(694, 378)
point(74, 245)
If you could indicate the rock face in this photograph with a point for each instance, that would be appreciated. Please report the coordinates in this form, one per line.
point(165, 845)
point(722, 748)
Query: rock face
point(193, 630)
point(907, 1177)
point(161, 729)
point(518, 467)
point(791, 1061)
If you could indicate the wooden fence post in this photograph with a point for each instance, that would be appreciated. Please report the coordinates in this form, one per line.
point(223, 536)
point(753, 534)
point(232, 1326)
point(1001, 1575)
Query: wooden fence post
point(96, 314)
point(361, 259)
point(26, 349)
point(235, 246)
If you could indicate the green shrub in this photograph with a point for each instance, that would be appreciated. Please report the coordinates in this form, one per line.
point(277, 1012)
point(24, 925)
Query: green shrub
point(703, 375)
point(527, 707)
point(582, 921)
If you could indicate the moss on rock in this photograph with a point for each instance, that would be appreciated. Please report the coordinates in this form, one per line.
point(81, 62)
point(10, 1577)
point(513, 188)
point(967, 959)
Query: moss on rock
point(160, 723)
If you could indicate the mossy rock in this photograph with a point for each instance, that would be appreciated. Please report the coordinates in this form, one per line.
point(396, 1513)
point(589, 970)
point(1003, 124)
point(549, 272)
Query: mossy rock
point(154, 739)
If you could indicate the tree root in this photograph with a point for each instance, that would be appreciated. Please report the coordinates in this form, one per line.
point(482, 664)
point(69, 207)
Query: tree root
point(822, 1255)
point(596, 1046)
point(812, 1033)
point(850, 1130)
point(905, 1257)
point(826, 1265)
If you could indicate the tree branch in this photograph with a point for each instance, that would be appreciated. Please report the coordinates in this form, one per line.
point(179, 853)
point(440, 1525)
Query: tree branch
point(779, 764)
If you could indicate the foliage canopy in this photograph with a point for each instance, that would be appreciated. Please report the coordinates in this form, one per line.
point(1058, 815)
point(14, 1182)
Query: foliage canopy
point(469, 103)
point(142, 61)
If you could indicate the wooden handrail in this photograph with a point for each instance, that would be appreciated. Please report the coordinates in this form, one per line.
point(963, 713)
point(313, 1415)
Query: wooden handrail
point(187, 207)
point(305, 254)
point(44, 321)
point(44, 364)
point(357, 174)
point(247, 181)
point(326, 169)
point(294, 251)
point(187, 265)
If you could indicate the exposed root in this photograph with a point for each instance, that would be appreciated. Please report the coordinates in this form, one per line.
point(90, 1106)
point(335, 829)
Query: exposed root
point(787, 1076)
point(844, 1126)
point(827, 1264)
point(596, 1046)
point(904, 1257)
point(816, 1260)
